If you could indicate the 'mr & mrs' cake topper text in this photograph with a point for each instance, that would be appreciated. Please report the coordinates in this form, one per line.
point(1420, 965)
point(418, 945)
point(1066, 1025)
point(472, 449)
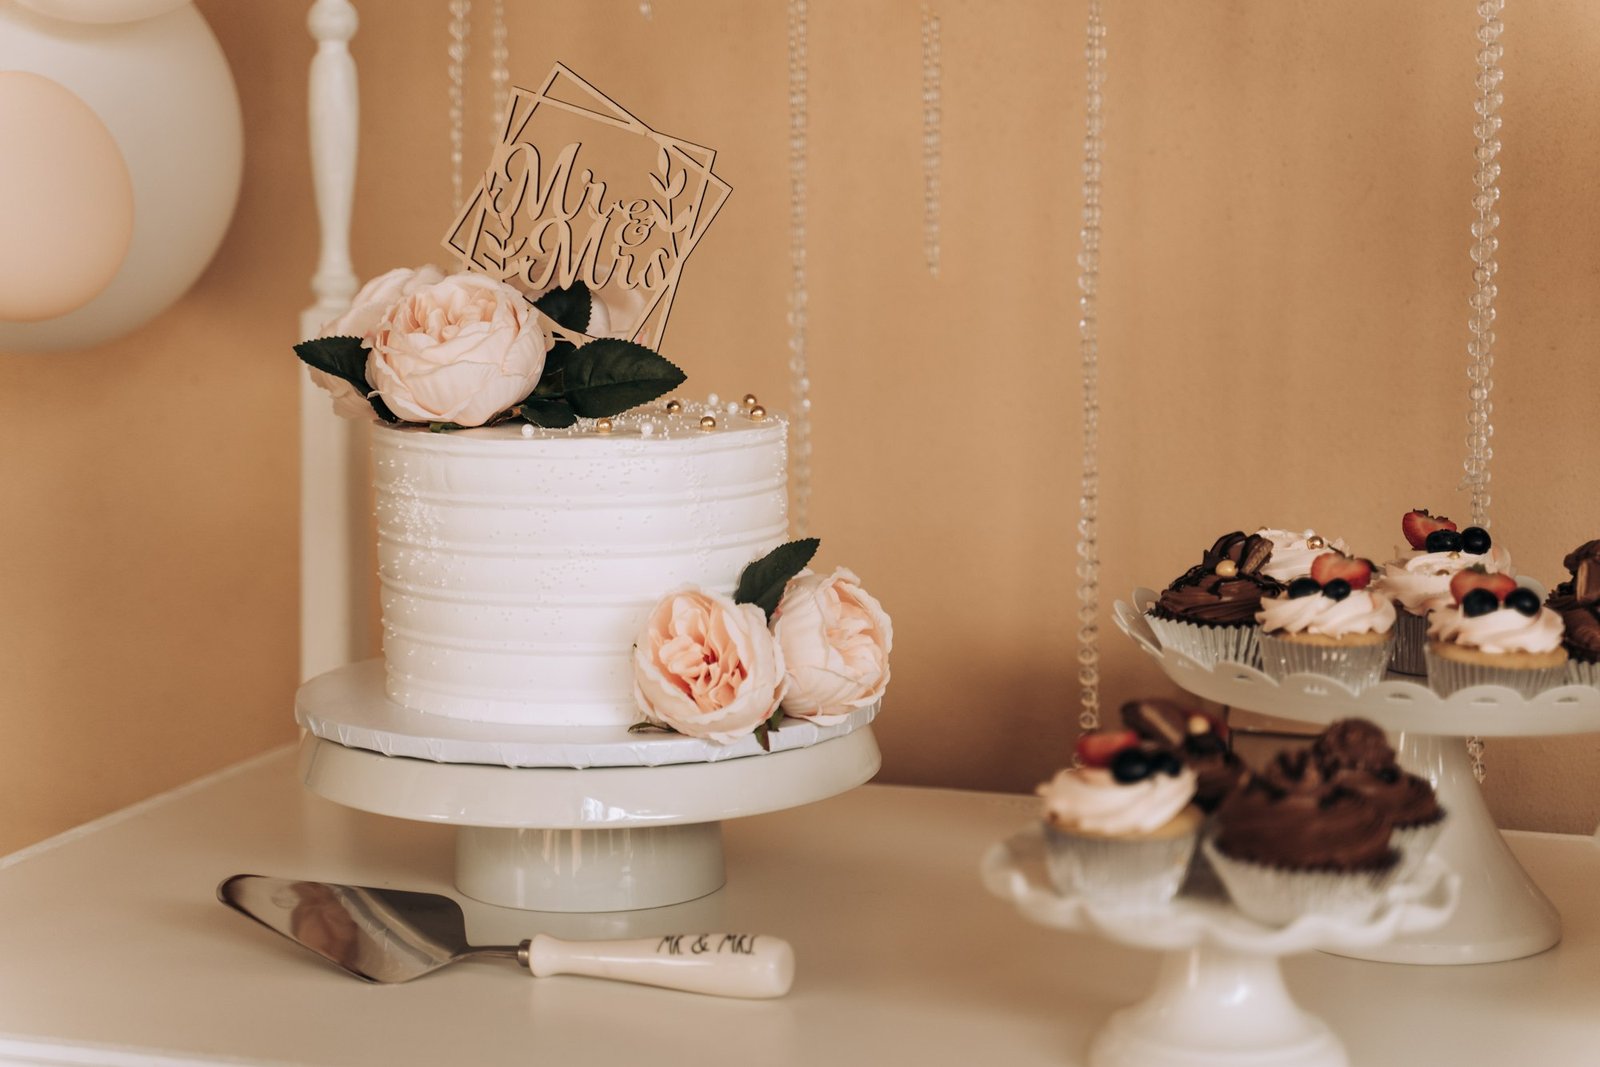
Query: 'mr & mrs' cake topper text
point(578, 191)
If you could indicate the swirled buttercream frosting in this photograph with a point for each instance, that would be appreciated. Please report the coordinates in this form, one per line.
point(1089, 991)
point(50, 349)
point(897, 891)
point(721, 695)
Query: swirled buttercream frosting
point(1354, 754)
point(1225, 588)
point(1089, 800)
point(1293, 552)
point(1420, 581)
point(1303, 824)
point(1361, 612)
point(1503, 630)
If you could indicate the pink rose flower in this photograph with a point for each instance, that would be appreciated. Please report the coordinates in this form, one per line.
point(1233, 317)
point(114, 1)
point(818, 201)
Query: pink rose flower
point(707, 667)
point(461, 350)
point(835, 640)
point(366, 308)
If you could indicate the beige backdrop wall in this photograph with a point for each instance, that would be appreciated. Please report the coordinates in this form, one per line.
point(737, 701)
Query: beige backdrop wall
point(1283, 317)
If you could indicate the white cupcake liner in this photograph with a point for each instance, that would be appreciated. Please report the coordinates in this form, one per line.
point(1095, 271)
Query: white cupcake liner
point(1357, 666)
point(1410, 644)
point(1208, 644)
point(1580, 673)
point(1414, 843)
point(1278, 896)
point(1446, 676)
point(1121, 873)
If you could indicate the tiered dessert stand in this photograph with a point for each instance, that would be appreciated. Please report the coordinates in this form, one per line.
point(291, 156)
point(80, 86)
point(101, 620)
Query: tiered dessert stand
point(1219, 999)
point(1502, 914)
point(566, 818)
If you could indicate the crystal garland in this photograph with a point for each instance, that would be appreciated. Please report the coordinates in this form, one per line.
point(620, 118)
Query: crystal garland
point(459, 28)
point(1480, 349)
point(1094, 54)
point(499, 71)
point(932, 136)
point(800, 382)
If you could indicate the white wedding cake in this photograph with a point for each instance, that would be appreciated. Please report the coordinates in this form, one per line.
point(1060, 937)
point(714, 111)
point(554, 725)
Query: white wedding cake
point(518, 565)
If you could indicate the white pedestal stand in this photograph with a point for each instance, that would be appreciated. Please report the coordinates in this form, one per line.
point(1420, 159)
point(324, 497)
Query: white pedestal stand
point(1219, 998)
point(1502, 915)
point(566, 820)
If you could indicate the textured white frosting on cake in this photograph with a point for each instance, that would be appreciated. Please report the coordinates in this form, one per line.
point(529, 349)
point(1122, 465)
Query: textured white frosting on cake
point(516, 571)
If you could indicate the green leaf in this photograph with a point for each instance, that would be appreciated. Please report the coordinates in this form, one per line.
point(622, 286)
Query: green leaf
point(553, 414)
point(344, 357)
point(569, 307)
point(552, 380)
point(607, 377)
point(444, 427)
point(762, 582)
point(765, 730)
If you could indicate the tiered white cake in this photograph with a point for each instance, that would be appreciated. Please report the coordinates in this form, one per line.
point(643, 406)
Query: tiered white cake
point(517, 570)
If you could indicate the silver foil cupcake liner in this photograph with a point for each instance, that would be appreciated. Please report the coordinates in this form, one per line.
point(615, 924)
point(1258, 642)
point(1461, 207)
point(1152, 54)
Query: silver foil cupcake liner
point(1118, 873)
point(1278, 896)
point(1446, 676)
point(1208, 644)
point(1356, 666)
point(1580, 673)
point(1409, 651)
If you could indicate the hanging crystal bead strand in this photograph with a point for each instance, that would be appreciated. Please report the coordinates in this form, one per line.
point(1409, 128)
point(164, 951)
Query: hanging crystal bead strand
point(1094, 54)
point(932, 136)
point(459, 28)
point(499, 71)
point(800, 381)
point(1480, 348)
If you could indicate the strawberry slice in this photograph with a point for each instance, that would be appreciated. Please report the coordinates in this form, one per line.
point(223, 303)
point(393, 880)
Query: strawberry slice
point(1476, 577)
point(1418, 524)
point(1098, 747)
point(1330, 565)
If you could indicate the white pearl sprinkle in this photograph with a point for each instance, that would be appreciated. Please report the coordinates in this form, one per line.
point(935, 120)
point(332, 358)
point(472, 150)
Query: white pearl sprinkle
point(527, 429)
point(713, 400)
point(732, 407)
point(647, 429)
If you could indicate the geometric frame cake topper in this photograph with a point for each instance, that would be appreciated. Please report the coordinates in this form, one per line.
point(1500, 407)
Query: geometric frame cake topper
point(578, 190)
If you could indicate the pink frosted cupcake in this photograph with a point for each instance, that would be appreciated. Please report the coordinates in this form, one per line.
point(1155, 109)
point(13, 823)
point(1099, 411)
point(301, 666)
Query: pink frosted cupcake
point(1495, 633)
point(1418, 581)
point(1330, 623)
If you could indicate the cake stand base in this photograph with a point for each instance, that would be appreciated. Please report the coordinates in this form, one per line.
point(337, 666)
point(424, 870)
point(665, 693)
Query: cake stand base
point(599, 839)
point(1216, 1008)
point(1502, 914)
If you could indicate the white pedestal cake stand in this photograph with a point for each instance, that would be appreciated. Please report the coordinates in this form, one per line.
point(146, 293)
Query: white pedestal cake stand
point(1502, 915)
point(565, 819)
point(1219, 999)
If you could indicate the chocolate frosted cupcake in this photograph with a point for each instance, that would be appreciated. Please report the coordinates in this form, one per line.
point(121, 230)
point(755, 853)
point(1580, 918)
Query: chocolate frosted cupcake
point(1354, 754)
point(1289, 843)
point(1577, 601)
point(1198, 740)
point(1209, 612)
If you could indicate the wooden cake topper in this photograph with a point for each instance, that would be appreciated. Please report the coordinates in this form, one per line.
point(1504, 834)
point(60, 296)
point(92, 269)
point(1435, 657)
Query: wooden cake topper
point(578, 190)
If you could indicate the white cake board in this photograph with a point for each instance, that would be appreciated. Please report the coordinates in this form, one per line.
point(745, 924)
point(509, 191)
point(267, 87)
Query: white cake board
point(584, 838)
point(1502, 915)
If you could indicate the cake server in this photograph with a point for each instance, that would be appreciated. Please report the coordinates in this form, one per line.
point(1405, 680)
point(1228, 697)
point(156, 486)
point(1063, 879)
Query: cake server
point(392, 935)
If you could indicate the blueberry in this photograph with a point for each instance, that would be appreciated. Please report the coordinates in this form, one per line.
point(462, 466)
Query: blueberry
point(1131, 765)
point(1337, 589)
point(1475, 539)
point(1524, 601)
point(1304, 587)
point(1165, 763)
point(1481, 602)
point(1443, 541)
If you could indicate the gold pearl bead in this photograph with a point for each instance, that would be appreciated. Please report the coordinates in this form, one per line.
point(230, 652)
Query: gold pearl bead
point(674, 406)
point(1226, 568)
point(602, 426)
point(758, 413)
point(749, 400)
point(708, 422)
point(1315, 542)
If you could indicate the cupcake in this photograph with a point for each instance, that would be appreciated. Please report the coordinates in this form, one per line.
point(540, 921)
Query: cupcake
point(1293, 553)
point(1329, 622)
point(1288, 843)
point(1354, 754)
point(1418, 581)
point(1577, 601)
point(1495, 633)
point(1198, 739)
point(1209, 612)
point(1121, 828)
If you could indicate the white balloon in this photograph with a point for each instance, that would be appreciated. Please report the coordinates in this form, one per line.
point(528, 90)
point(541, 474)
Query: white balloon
point(162, 87)
point(102, 10)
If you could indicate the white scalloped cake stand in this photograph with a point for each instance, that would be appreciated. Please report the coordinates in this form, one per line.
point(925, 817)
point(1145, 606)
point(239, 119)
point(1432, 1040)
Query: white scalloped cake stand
point(1503, 915)
point(1219, 999)
point(557, 819)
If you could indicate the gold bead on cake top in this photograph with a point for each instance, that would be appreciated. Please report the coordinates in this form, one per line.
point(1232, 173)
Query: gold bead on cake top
point(750, 400)
point(602, 425)
point(674, 406)
point(1314, 541)
point(708, 422)
point(1226, 568)
point(757, 413)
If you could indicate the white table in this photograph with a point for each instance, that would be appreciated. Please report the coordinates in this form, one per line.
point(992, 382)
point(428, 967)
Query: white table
point(114, 950)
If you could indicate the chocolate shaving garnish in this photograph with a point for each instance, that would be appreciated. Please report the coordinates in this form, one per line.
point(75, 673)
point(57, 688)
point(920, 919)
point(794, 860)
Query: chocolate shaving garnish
point(1256, 552)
